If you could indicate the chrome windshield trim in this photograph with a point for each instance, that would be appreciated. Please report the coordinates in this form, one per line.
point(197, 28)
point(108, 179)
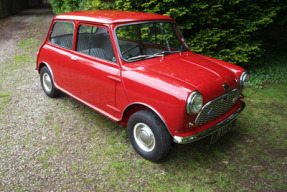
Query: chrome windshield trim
point(207, 132)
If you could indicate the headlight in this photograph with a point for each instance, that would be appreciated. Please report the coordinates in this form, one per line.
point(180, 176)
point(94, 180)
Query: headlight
point(194, 103)
point(244, 80)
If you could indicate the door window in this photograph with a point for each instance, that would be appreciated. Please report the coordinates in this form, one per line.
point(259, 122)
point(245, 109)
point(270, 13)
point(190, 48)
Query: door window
point(95, 41)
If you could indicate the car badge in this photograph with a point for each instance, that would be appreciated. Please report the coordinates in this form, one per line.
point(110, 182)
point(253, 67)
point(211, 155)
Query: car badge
point(225, 86)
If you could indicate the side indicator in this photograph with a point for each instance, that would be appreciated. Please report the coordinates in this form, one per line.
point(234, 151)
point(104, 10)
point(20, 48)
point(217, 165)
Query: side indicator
point(225, 86)
point(191, 125)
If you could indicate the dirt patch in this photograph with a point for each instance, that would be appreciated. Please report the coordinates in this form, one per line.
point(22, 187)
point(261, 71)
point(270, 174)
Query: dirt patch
point(11, 29)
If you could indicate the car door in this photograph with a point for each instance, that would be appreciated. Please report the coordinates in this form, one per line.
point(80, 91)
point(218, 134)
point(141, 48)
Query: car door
point(94, 70)
point(58, 52)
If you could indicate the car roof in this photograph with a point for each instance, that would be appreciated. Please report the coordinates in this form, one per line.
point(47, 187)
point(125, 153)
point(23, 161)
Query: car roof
point(109, 16)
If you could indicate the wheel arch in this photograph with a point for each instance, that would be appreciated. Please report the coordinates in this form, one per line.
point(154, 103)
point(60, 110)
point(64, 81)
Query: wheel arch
point(135, 107)
point(44, 64)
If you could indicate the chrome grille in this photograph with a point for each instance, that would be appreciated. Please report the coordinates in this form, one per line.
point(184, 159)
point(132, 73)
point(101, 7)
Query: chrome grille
point(217, 107)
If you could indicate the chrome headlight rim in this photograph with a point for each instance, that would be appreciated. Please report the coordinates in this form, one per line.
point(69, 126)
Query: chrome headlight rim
point(244, 80)
point(191, 101)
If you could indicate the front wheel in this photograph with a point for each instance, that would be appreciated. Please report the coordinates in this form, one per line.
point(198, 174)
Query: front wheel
point(148, 135)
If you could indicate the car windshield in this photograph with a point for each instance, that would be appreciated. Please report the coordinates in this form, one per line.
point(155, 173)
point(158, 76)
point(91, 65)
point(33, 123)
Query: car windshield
point(147, 40)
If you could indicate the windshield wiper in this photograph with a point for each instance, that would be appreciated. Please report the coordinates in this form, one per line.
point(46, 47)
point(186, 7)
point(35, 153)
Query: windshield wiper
point(160, 54)
point(172, 52)
point(168, 52)
point(145, 56)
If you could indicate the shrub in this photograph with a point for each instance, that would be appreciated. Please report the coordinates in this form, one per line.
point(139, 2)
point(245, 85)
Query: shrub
point(224, 29)
point(61, 6)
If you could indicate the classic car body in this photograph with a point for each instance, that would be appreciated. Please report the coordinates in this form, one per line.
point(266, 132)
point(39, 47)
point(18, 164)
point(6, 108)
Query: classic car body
point(136, 69)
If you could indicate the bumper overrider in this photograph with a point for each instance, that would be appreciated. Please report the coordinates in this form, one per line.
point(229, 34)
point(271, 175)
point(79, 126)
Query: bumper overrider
point(211, 130)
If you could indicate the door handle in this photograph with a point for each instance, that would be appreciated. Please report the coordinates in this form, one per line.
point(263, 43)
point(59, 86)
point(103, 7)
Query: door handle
point(73, 57)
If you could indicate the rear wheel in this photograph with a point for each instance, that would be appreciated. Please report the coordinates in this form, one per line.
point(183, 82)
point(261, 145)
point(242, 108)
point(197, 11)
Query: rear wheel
point(149, 136)
point(48, 83)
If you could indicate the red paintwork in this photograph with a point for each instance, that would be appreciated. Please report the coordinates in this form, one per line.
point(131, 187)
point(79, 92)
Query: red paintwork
point(111, 17)
point(117, 89)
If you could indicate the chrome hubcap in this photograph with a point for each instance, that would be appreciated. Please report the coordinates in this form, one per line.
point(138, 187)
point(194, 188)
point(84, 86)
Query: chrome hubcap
point(47, 82)
point(144, 137)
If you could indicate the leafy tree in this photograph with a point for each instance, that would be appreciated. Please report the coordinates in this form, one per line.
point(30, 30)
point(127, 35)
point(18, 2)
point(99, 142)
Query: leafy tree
point(224, 29)
point(61, 6)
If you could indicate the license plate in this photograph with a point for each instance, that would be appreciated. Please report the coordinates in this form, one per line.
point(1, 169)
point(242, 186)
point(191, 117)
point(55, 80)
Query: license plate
point(218, 134)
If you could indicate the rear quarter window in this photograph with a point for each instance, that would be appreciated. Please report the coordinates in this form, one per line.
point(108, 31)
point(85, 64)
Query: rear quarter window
point(62, 34)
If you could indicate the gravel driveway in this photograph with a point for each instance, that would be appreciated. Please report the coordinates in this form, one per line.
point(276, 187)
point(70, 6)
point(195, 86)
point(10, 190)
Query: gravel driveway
point(45, 144)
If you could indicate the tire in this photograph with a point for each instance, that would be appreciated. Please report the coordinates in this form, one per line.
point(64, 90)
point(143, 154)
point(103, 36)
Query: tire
point(149, 136)
point(47, 83)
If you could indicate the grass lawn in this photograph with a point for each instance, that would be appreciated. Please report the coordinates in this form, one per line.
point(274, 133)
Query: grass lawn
point(252, 157)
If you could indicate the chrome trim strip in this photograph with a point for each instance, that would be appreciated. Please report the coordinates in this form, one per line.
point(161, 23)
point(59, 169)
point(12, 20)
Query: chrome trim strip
point(45, 63)
point(89, 105)
point(207, 132)
point(242, 78)
point(151, 108)
point(189, 101)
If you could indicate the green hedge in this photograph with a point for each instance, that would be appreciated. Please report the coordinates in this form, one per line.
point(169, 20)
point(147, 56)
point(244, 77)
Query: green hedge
point(224, 29)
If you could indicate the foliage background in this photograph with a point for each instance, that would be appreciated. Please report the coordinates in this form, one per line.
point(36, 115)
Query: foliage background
point(230, 30)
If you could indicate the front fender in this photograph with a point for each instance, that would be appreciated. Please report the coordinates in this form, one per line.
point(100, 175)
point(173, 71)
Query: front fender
point(165, 96)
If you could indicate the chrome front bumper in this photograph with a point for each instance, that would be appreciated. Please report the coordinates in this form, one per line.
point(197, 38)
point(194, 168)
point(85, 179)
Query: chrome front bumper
point(207, 132)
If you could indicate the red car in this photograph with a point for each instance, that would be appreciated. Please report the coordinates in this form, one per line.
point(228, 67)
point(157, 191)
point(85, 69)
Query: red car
point(136, 69)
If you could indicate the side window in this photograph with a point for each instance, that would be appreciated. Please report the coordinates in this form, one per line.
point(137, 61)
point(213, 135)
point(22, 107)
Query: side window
point(62, 34)
point(95, 41)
